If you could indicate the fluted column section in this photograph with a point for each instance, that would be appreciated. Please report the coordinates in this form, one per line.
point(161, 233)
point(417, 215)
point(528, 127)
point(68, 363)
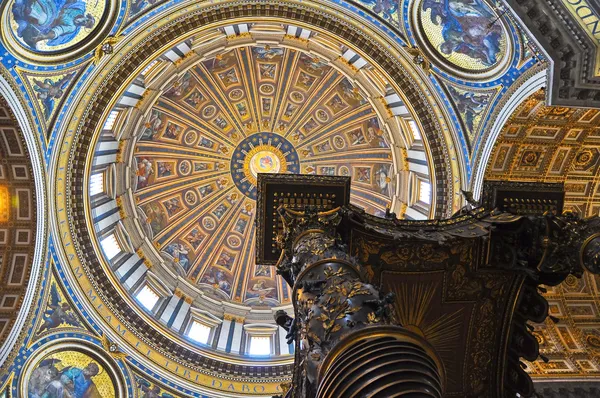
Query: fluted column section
point(345, 346)
point(381, 362)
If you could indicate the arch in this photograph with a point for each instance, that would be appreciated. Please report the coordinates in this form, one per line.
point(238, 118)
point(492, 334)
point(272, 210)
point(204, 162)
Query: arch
point(37, 165)
point(521, 92)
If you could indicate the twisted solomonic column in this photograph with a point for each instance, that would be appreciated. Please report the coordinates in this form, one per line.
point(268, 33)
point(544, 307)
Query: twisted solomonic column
point(345, 344)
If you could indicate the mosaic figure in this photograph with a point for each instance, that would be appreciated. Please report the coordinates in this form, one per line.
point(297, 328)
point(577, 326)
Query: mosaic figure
point(261, 288)
point(266, 105)
point(363, 174)
point(47, 381)
point(58, 312)
point(327, 171)
point(148, 390)
point(262, 270)
point(305, 80)
point(180, 87)
point(313, 64)
point(336, 104)
point(173, 206)
point(144, 172)
point(356, 137)
point(206, 190)
point(375, 134)
point(48, 91)
point(172, 131)
point(242, 109)
point(351, 93)
point(180, 254)
point(310, 125)
point(289, 111)
point(240, 226)
point(226, 260)
point(383, 180)
point(221, 122)
point(194, 99)
point(54, 21)
point(267, 53)
point(466, 28)
point(228, 78)
point(195, 238)
point(325, 146)
point(152, 126)
point(469, 105)
point(138, 5)
point(386, 8)
point(220, 210)
point(164, 169)
point(267, 71)
point(206, 143)
point(218, 279)
point(155, 217)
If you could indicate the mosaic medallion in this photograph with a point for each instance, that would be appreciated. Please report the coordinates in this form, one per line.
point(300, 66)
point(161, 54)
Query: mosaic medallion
point(70, 369)
point(463, 36)
point(49, 28)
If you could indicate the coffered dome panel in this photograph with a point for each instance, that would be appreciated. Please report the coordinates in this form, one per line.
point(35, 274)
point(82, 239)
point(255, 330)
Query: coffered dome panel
point(256, 108)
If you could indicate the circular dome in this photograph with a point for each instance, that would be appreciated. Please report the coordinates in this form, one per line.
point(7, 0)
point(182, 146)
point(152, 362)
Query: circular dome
point(156, 176)
point(215, 126)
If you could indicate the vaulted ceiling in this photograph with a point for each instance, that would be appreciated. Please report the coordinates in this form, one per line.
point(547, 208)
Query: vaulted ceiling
point(552, 144)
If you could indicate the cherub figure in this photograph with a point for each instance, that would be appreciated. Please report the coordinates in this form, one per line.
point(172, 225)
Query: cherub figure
point(58, 312)
point(48, 91)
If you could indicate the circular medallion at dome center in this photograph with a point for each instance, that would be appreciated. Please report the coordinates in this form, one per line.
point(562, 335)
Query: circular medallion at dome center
point(261, 153)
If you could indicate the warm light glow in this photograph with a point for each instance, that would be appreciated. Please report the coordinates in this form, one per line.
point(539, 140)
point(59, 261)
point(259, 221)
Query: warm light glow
point(96, 184)
point(414, 129)
point(260, 345)
point(199, 332)
point(425, 192)
point(110, 246)
point(110, 121)
point(4, 203)
point(147, 297)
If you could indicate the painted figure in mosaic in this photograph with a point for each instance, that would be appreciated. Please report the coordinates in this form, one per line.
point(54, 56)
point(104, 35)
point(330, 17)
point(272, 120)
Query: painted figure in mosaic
point(469, 105)
point(387, 8)
point(47, 91)
point(152, 126)
point(70, 382)
point(466, 28)
point(57, 21)
point(267, 52)
point(144, 172)
point(58, 313)
point(150, 391)
point(180, 254)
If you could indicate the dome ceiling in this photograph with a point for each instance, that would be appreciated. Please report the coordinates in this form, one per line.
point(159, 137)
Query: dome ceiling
point(249, 110)
point(162, 192)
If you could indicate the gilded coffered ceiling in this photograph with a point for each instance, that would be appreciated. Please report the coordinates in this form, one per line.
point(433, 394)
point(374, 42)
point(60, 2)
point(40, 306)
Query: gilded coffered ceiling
point(558, 144)
point(551, 144)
